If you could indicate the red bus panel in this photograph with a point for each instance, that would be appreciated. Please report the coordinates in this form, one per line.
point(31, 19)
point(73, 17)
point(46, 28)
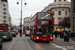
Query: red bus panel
point(42, 26)
point(25, 27)
point(4, 27)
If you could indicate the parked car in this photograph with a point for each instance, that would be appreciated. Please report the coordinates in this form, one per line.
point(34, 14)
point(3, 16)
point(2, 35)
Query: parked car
point(1, 41)
point(16, 32)
point(6, 35)
point(13, 32)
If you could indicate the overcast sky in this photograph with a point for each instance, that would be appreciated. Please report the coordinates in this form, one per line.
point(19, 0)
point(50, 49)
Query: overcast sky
point(31, 8)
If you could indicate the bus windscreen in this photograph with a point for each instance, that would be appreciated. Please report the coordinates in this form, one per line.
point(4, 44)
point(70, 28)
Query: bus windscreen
point(44, 30)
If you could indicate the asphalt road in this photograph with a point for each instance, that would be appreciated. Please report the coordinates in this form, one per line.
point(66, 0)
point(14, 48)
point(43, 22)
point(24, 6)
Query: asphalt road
point(53, 45)
point(6, 44)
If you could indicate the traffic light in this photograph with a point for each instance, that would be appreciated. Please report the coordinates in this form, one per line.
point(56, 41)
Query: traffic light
point(20, 31)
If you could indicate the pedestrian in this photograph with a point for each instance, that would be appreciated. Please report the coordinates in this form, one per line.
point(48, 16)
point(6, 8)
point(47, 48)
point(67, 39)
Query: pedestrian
point(69, 33)
point(66, 35)
point(72, 35)
point(55, 34)
point(61, 34)
point(58, 33)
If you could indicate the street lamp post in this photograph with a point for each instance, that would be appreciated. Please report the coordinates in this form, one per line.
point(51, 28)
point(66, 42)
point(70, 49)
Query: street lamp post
point(21, 19)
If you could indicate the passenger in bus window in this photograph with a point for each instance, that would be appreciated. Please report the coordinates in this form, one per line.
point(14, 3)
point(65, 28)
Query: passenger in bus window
point(43, 32)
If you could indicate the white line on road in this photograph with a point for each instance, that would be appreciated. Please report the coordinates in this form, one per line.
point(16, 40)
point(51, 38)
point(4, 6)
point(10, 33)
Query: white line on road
point(58, 46)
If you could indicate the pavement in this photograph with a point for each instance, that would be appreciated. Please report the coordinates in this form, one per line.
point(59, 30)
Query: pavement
point(20, 43)
point(70, 41)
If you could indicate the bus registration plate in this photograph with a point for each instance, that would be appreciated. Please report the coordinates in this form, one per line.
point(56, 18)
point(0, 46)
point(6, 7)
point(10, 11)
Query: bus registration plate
point(44, 35)
point(44, 39)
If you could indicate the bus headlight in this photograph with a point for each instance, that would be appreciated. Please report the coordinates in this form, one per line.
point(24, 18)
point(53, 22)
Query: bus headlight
point(37, 37)
point(51, 38)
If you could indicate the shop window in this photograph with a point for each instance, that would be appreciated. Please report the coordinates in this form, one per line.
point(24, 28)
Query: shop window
point(59, 29)
point(59, 21)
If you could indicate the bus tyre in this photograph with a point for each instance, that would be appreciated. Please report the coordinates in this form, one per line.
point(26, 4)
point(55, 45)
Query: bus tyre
point(48, 41)
point(10, 39)
point(1, 46)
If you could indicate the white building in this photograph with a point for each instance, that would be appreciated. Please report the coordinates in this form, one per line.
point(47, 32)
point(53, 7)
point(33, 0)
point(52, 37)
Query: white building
point(60, 9)
point(26, 21)
point(0, 11)
point(4, 12)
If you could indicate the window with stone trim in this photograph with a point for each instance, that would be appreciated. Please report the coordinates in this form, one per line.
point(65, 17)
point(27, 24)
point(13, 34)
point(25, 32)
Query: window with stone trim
point(59, 0)
point(59, 13)
point(4, 13)
point(4, 20)
point(4, 8)
point(4, 0)
point(4, 4)
point(53, 20)
point(53, 13)
point(65, 12)
point(4, 17)
point(64, 0)
point(55, 0)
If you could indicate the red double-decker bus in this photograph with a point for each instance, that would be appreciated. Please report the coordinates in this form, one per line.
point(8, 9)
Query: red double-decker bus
point(11, 28)
point(25, 27)
point(4, 26)
point(42, 26)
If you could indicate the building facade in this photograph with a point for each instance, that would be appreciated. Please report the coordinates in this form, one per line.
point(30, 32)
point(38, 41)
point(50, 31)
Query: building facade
point(60, 9)
point(4, 12)
point(26, 21)
point(0, 11)
point(72, 21)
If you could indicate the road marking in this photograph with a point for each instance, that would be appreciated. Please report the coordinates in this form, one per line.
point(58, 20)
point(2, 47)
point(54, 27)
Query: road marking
point(58, 46)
